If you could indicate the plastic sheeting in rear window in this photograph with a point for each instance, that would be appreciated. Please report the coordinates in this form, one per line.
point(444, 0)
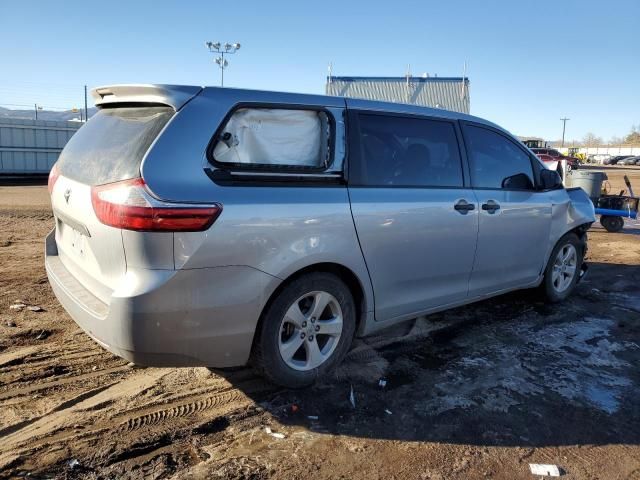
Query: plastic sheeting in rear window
point(112, 144)
point(275, 137)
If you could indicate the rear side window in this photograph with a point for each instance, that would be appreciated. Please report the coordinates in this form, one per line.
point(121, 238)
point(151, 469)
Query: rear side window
point(111, 145)
point(406, 152)
point(495, 161)
point(275, 137)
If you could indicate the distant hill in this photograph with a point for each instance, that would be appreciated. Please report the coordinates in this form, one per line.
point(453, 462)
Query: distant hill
point(44, 114)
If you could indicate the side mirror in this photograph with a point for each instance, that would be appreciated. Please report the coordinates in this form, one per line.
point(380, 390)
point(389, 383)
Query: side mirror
point(550, 180)
point(519, 181)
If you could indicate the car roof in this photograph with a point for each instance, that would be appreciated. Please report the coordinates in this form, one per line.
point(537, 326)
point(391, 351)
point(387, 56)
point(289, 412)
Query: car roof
point(178, 95)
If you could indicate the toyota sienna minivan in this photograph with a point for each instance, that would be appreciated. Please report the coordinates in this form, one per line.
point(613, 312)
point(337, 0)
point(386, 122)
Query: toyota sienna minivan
point(222, 227)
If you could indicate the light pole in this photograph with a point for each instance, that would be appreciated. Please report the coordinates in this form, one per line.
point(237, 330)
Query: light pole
point(564, 126)
point(222, 50)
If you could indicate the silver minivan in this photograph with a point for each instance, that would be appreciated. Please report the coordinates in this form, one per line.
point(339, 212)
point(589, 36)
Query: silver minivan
point(223, 227)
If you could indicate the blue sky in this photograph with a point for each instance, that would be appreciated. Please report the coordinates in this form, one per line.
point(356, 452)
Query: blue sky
point(529, 62)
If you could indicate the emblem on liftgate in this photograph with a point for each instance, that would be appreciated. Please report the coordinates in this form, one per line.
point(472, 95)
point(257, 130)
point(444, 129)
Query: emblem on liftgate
point(67, 194)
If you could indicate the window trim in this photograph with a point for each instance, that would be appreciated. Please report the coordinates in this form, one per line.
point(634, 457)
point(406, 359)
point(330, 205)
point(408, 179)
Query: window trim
point(265, 169)
point(464, 124)
point(355, 153)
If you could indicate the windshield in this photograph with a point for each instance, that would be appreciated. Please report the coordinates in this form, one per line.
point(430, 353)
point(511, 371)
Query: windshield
point(112, 144)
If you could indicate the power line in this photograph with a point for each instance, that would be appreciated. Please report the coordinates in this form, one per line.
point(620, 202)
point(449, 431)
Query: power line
point(30, 106)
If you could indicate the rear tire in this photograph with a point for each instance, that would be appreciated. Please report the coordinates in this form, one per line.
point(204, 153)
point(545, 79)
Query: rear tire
point(563, 270)
point(299, 339)
point(612, 224)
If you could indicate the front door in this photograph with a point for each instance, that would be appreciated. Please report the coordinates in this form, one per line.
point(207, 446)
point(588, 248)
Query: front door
point(416, 221)
point(515, 217)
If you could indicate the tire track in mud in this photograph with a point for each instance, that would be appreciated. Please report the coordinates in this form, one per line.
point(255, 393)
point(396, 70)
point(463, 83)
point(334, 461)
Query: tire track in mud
point(10, 359)
point(41, 431)
point(225, 395)
point(183, 409)
point(40, 367)
point(62, 406)
point(90, 416)
point(40, 355)
point(16, 392)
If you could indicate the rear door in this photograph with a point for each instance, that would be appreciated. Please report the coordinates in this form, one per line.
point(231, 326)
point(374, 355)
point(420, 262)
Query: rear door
point(416, 219)
point(109, 148)
point(515, 217)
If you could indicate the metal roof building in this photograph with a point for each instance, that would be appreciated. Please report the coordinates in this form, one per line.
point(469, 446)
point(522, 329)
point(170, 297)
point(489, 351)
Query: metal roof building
point(449, 93)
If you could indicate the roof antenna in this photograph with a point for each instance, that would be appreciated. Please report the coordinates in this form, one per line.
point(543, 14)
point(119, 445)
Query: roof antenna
point(464, 75)
point(408, 76)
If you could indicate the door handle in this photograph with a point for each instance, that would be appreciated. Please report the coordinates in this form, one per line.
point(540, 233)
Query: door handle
point(491, 206)
point(463, 207)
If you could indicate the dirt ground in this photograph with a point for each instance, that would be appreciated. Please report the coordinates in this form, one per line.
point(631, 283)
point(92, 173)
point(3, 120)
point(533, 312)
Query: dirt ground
point(476, 392)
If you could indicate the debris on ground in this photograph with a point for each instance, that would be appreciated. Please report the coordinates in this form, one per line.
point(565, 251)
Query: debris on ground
point(42, 335)
point(17, 306)
point(268, 431)
point(382, 383)
point(388, 412)
point(73, 463)
point(312, 417)
point(545, 470)
point(35, 308)
point(471, 395)
point(11, 323)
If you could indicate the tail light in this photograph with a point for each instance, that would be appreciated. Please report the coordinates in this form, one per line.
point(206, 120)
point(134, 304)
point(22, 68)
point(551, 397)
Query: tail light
point(53, 177)
point(129, 205)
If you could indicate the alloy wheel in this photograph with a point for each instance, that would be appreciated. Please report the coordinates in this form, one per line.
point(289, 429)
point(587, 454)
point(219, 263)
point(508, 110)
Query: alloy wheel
point(310, 330)
point(564, 268)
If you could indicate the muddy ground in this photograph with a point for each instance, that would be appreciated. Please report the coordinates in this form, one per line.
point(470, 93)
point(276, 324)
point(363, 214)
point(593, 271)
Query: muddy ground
point(476, 392)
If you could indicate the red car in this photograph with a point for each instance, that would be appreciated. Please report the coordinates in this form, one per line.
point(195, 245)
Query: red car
point(551, 157)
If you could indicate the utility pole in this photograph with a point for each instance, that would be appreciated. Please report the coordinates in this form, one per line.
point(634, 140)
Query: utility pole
point(35, 107)
point(564, 126)
point(222, 50)
point(86, 116)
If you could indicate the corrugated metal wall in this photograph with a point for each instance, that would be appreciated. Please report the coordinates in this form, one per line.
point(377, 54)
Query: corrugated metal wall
point(449, 93)
point(32, 146)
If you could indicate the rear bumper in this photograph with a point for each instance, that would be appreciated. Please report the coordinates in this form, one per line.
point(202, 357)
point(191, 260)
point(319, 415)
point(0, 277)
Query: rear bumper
point(172, 318)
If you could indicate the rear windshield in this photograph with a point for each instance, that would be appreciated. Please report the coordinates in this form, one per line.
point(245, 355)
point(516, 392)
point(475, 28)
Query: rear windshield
point(112, 144)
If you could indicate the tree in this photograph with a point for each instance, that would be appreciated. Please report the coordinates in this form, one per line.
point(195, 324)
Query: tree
point(634, 136)
point(616, 140)
point(591, 140)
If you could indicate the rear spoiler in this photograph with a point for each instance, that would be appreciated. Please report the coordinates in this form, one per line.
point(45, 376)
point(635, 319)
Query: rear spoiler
point(176, 96)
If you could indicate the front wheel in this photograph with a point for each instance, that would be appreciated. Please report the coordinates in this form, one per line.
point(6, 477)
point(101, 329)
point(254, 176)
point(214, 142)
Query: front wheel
point(306, 331)
point(563, 270)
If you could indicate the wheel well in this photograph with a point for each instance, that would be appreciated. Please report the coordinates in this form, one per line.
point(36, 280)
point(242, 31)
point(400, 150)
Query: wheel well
point(581, 232)
point(342, 272)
